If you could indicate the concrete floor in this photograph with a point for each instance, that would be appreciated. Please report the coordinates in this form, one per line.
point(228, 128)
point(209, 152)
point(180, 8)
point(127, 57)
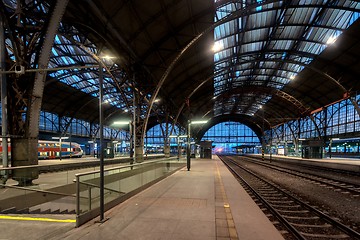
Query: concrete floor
point(206, 202)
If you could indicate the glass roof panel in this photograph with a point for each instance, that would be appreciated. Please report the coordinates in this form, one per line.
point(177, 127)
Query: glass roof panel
point(73, 50)
point(272, 42)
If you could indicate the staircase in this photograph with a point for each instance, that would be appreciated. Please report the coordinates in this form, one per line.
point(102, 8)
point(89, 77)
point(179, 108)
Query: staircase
point(20, 200)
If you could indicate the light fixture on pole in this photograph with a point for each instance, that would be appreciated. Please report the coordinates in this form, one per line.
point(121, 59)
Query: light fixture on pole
point(192, 122)
point(101, 145)
point(101, 132)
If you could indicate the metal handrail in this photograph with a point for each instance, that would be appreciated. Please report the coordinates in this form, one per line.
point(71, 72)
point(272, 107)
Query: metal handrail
point(38, 190)
point(38, 165)
point(96, 186)
point(121, 167)
point(21, 167)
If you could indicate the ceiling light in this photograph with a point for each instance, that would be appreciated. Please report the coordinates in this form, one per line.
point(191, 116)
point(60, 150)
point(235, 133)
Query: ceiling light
point(107, 57)
point(331, 40)
point(199, 122)
point(217, 46)
point(123, 122)
point(292, 77)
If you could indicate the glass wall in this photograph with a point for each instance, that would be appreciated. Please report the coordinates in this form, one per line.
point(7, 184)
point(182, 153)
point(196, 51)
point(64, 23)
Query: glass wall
point(232, 137)
point(50, 122)
point(338, 126)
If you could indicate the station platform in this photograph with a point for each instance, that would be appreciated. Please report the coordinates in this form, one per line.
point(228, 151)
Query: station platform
point(352, 161)
point(348, 164)
point(206, 202)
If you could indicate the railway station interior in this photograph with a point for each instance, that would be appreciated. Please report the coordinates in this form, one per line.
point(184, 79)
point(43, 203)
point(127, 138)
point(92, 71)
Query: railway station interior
point(135, 119)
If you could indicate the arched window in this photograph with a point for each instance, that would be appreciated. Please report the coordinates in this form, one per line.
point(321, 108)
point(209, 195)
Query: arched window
point(232, 137)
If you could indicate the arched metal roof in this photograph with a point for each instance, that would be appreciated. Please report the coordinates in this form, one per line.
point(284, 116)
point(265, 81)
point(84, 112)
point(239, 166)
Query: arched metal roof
point(287, 57)
point(268, 46)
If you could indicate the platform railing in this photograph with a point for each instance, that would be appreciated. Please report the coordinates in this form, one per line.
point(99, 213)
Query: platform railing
point(120, 183)
point(49, 193)
point(26, 200)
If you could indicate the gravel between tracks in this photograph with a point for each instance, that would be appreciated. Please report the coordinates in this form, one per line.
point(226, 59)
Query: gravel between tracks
point(336, 204)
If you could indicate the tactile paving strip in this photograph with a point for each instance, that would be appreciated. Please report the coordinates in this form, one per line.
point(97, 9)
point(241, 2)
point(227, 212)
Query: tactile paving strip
point(225, 227)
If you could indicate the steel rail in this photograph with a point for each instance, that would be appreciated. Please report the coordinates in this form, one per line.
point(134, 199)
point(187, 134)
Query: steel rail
point(293, 230)
point(350, 232)
point(315, 177)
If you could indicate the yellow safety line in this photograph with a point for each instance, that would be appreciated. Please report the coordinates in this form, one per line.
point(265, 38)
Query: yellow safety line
point(37, 219)
point(229, 218)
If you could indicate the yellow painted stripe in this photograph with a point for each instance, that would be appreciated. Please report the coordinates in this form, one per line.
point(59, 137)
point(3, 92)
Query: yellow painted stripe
point(37, 219)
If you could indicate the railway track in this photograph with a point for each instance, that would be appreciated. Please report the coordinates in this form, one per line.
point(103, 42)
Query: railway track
point(338, 185)
point(310, 167)
point(301, 220)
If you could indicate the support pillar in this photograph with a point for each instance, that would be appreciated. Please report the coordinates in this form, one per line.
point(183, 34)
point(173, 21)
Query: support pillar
point(297, 149)
point(137, 128)
point(188, 159)
point(139, 154)
point(24, 148)
point(3, 175)
point(131, 142)
point(167, 151)
point(179, 149)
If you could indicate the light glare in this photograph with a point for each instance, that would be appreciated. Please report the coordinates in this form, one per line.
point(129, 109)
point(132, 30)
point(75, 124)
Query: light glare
point(199, 122)
point(121, 122)
point(331, 40)
point(217, 46)
point(107, 57)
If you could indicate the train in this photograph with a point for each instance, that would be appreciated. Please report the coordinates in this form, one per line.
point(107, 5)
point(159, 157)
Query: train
point(51, 149)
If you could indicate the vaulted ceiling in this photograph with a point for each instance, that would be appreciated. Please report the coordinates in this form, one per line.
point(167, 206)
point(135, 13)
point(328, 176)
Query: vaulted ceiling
point(276, 60)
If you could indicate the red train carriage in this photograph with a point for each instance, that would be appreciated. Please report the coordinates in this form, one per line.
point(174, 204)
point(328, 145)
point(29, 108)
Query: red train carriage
point(51, 149)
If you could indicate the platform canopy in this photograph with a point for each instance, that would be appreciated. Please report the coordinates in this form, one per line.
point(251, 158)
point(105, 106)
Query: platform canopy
point(274, 60)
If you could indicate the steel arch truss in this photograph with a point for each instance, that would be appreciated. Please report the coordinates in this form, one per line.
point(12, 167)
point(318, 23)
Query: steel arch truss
point(269, 42)
point(237, 94)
